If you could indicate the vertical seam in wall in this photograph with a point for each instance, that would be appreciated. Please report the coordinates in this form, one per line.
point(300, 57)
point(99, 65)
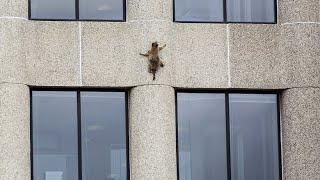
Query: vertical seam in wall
point(228, 56)
point(80, 54)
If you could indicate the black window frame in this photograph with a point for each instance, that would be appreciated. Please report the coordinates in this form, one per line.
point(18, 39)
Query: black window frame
point(79, 135)
point(225, 16)
point(77, 5)
point(228, 133)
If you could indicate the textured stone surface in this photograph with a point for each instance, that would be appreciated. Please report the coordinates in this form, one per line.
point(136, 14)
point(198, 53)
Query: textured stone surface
point(111, 53)
point(300, 133)
point(200, 55)
point(300, 48)
point(53, 53)
point(152, 133)
point(149, 10)
point(14, 132)
point(14, 8)
point(254, 57)
point(299, 11)
point(12, 50)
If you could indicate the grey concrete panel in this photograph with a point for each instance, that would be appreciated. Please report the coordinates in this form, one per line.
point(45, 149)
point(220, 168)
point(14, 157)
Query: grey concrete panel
point(299, 11)
point(111, 53)
point(300, 48)
point(200, 55)
point(14, 8)
point(53, 57)
point(300, 133)
point(139, 10)
point(14, 132)
point(12, 50)
point(254, 57)
point(152, 133)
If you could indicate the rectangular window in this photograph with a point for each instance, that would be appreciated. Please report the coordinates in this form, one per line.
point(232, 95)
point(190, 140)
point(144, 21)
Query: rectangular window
point(101, 10)
point(227, 11)
point(199, 10)
point(79, 135)
point(228, 136)
point(202, 136)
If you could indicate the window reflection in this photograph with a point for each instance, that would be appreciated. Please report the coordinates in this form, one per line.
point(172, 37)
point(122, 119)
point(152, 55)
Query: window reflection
point(202, 136)
point(55, 134)
point(54, 123)
point(103, 135)
point(200, 10)
point(254, 136)
point(250, 10)
point(101, 9)
point(53, 9)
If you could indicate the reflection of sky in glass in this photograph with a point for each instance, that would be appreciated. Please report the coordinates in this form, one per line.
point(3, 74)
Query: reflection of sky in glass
point(53, 9)
point(88, 9)
point(254, 136)
point(250, 10)
point(54, 128)
point(101, 9)
point(201, 136)
point(103, 117)
point(198, 10)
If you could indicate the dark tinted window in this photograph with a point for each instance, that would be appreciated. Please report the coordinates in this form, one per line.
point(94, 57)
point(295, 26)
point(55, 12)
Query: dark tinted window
point(111, 10)
point(254, 137)
point(239, 140)
point(202, 136)
point(53, 9)
point(101, 9)
point(199, 10)
point(61, 119)
point(250, 10)
point(55, 147)
point(244, 11)
point(103, 117)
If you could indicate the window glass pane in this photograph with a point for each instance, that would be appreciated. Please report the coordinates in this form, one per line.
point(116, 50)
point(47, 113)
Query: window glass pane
point(250, 10)
point(199, 10)
point(202, 136)
point(254, 137)
point(53, 9)
point(103, 135)
point(101, 9)
point(54, 128)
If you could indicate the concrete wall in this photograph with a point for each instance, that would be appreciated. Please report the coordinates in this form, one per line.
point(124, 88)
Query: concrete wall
point(106, 54)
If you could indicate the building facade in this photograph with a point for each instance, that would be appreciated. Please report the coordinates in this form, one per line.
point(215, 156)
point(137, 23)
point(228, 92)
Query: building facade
point(281, 57)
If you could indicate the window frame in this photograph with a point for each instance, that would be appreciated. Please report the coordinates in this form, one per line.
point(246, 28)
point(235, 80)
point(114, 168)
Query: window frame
point(227, 92)
point(79, 135)
point(225, 16)
point(77, 7)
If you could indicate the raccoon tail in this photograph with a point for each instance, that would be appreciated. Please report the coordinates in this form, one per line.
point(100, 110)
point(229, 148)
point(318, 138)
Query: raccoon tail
point(154, 76)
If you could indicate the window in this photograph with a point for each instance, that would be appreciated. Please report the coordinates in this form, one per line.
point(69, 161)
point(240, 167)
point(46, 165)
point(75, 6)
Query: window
point(109, 10)
point(227, 136)
point(79, 134)
point(228, 11)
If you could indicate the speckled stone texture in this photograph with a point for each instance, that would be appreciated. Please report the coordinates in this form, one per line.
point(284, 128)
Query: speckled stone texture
point(14, 8)
point(152, 133)
point(199, 53)
point(140, 10)
point(53, 55)
point(301, 134)
point(14, 132)
point(299, 11)
point(300, 49)
point(111, 53)
point(12, 50)
point(254, 57)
